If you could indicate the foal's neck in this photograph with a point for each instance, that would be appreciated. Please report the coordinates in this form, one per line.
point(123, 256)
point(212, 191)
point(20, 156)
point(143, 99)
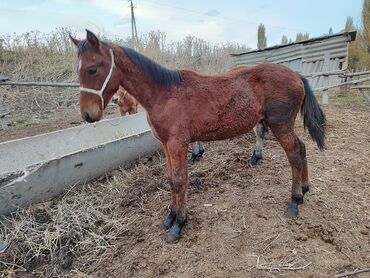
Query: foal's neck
point(137, 82)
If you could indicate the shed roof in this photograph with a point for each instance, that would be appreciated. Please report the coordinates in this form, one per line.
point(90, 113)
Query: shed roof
point(350, 35)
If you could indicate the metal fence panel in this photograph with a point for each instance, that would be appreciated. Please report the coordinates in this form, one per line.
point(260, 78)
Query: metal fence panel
point(312, 56)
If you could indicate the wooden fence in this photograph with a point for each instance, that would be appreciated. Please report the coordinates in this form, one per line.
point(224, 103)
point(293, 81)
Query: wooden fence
point(348, 79)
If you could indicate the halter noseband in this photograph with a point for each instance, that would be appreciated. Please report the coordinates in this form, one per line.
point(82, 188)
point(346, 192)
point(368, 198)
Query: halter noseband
point(100, 92)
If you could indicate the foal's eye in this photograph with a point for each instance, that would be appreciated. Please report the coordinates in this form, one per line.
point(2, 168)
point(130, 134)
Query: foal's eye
point(92, 71)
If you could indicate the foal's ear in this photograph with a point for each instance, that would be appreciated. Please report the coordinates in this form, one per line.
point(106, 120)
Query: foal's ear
point(92, 39)
point(76, 42)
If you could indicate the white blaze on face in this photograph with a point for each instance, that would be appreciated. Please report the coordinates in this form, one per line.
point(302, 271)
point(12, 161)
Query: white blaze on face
point(79, 65)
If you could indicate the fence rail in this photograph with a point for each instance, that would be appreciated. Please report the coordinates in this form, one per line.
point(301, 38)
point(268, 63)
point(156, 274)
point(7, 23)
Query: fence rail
point(41, 84)
point(339, 73)
point(352, 82)
point(344, 74)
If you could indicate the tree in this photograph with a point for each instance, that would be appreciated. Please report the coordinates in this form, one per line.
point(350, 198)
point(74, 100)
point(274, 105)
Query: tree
point(353, 50)
point(365, 26)
point(349, 24)
point(330, 31)
point(261, 37)
point(302, 37)
point(359, 50)
point(284, 39)
point(298, 37)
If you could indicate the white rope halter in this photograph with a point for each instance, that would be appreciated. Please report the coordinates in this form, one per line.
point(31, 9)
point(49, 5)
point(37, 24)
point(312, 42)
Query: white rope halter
point(100, 92)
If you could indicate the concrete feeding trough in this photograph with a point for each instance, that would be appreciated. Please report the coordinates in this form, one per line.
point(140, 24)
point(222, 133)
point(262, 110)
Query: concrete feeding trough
point(37, 168)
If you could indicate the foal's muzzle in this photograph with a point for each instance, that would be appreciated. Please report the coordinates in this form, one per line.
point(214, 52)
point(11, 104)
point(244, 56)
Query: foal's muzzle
point(115, 100)
point(86, 116)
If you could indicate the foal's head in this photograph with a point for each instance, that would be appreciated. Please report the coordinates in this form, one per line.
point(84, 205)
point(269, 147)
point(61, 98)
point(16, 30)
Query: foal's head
point(119, 95)
point(126, 102)
point(98, 76)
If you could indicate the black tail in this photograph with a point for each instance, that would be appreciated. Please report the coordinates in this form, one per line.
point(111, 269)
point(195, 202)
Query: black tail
point(313, 117)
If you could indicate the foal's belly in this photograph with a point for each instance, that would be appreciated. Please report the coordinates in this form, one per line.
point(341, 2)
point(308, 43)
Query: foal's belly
point(229, 125)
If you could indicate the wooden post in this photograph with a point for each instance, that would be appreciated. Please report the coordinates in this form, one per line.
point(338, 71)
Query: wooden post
point(3, 123)
point(326, 67)
point(362, 89)
point(364, 93)
point(343, 89)
point(325, 97)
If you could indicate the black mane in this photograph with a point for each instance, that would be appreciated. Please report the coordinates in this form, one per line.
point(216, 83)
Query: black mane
point(160, 74)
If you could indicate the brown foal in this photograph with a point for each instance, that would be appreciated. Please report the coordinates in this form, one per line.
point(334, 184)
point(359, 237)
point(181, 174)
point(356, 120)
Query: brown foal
point(184, 106)
point(125, 101)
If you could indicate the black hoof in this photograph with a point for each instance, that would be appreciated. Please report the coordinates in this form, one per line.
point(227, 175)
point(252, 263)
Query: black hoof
point(254, 159)
point(194, 158)
point(168, 221)
point(175, 233)
point(293, 209)
point(305, 189)
point(191, 160)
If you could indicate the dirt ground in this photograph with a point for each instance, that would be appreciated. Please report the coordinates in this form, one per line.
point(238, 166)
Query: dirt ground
point(237, 221)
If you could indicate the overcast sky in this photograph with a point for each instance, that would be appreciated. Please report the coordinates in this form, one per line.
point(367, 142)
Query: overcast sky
point(217, 21)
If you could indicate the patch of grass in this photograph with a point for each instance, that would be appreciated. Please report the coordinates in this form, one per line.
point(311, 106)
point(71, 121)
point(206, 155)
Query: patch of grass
point(348, 99)
point(42, 117)
point(25, 121)
point(344, 99)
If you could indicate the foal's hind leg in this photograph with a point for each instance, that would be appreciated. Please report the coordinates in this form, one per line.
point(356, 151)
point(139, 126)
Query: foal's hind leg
point(197, 151)
point(305, 180)
point(258, 152)
point(295, 151)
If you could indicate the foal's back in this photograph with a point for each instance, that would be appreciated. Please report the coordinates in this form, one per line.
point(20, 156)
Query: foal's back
point(230, 104)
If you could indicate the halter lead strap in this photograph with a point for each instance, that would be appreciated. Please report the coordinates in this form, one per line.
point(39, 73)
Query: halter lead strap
point(100, 92)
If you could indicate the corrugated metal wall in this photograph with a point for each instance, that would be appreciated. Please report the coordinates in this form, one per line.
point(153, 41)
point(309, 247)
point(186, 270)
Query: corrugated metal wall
point(309, 57)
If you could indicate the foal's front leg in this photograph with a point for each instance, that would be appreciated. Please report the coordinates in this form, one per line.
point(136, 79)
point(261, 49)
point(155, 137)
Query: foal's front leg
point(177, 158)
point(170, 219)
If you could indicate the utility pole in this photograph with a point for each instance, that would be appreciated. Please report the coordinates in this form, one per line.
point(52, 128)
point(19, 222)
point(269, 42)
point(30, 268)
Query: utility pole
point(133, 25)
